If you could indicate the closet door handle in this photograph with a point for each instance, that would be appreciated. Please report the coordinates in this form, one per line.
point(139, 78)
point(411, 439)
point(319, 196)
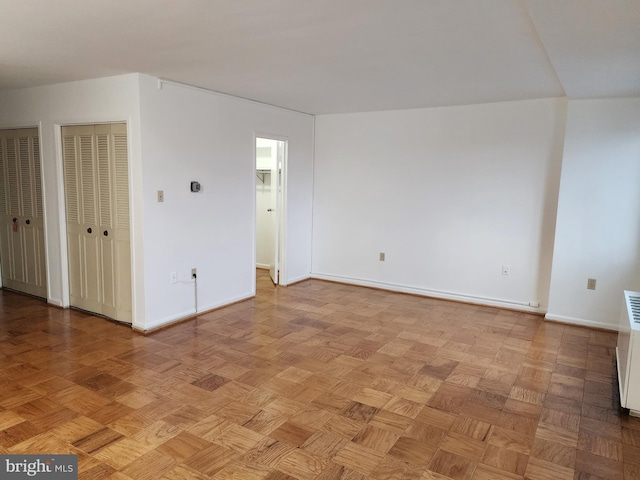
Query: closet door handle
point(269, 210)
point(105, 233)
point(89, 230)
point(28, 222)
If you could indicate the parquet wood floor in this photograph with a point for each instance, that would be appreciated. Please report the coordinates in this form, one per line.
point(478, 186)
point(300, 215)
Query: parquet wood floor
point(317, 381)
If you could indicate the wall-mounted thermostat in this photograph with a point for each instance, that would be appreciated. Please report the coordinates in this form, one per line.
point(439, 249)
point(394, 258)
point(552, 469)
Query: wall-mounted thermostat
point(195, 186)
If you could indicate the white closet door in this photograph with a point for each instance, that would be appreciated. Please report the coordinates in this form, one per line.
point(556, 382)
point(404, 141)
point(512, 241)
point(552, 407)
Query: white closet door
point(5, 219)
point(121, 236)
point(95, 193)
point(72, 182)
point(104, 178)
point(275, 187)
point(22, 251)
point(82, 233)
point(13, 219)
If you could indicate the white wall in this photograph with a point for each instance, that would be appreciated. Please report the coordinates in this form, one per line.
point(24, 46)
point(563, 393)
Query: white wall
point(449, 194)
point(598, 226)
point(113, 99)
point(190, 134)
point(187, 134)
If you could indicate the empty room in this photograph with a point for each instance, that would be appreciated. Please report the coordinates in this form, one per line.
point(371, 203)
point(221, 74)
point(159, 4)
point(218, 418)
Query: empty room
point(285, 240)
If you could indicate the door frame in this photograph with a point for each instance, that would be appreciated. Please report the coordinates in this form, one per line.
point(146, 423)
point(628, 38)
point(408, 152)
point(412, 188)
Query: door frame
point(282, 230)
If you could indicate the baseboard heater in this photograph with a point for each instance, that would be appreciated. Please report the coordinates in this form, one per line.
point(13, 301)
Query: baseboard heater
point(628, 353)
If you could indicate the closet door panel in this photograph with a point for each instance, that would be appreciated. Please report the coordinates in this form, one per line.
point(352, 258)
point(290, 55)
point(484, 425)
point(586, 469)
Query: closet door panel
point(13, 180)
point(75, 255)
point(31, 250)
point(5, 251)
point(38, 222)
point(77, 148)
point(109, 294)
point(16, 253)
point(6, 232)
point(22, 244)
point(31, 223)
point(121, 231)
point(105, 192)
point(92, 269)
point(88, 180)
point(89, 209)
point(96, 176)
point(122, 259)
point(72, 209)
point(5, 227)
point(16, 263)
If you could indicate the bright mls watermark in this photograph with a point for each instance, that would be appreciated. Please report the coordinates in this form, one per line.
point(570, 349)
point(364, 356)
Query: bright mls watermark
point(51, 467)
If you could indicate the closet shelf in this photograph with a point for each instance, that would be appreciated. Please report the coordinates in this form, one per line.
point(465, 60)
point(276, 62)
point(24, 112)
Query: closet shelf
point(260, 173)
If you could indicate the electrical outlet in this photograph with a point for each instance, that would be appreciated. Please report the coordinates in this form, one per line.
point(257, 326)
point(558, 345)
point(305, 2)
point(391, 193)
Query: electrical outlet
point(382, 256)
point(506, 270)
point(193, 273)
point(591, 284)
point(174, 277)
point(160, 196)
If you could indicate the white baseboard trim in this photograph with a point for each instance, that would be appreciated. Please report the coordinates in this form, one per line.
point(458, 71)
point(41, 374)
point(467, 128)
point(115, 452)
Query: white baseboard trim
point(581, 322)
point(164, 321)
point(262, 266)
point(296, 280)
point(56, 302)
point(225, 303)
point(191, 314)
point(458, 297)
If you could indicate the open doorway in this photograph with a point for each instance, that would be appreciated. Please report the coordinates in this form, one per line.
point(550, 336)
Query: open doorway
point(271, 154)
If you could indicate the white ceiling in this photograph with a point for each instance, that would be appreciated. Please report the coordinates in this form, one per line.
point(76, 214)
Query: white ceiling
point(333, 56)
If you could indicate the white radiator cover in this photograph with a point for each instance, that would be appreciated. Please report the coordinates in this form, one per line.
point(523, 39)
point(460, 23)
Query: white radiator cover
point(628, 353)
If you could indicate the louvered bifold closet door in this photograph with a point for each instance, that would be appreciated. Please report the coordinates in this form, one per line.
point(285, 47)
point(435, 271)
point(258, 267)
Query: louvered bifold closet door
point(99, 250)
point(78, 151)
point(113, 201)
point(122, 222)
point(12, 269)
point(22, 250)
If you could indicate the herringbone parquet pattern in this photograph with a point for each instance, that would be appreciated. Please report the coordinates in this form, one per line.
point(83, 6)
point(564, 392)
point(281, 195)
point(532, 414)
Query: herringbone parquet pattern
point(316, 381)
